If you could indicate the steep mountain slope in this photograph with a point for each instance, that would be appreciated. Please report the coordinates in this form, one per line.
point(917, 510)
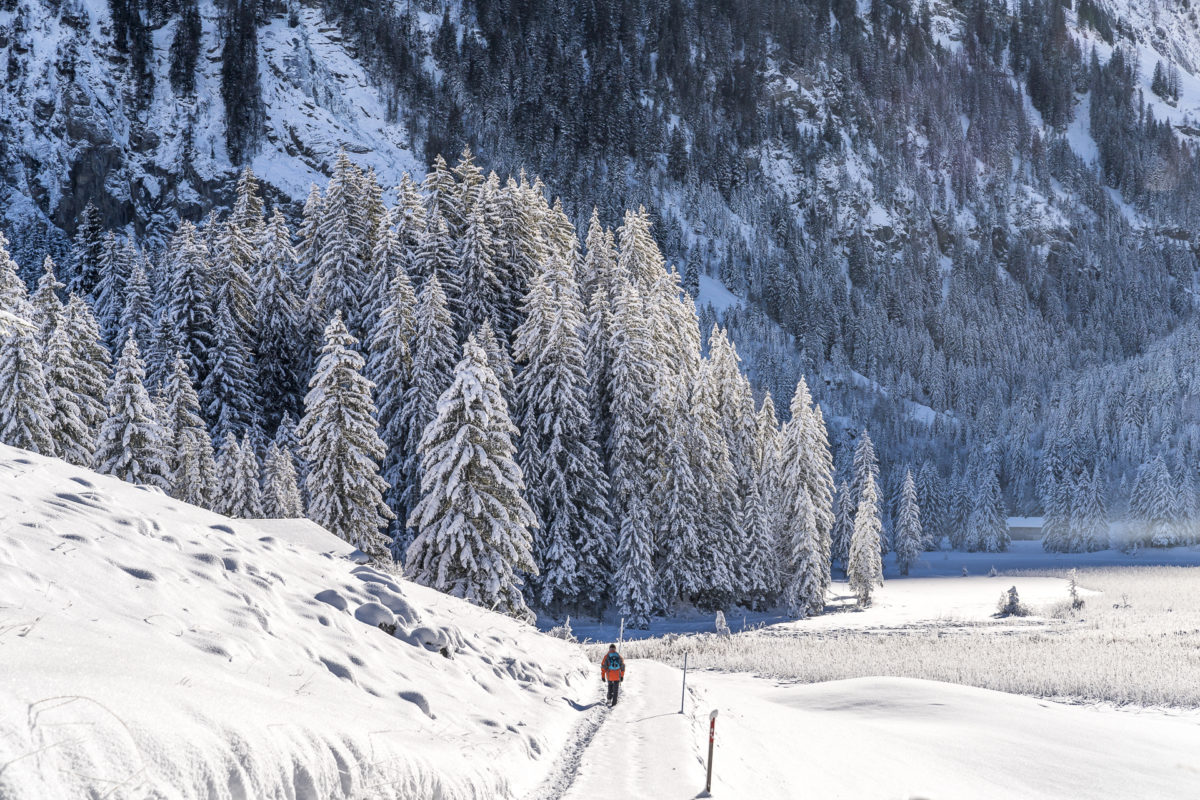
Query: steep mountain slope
point(206, 658)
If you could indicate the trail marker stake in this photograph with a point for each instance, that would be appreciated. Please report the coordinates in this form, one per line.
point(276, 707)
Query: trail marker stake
point(712, 733)
point(683, 692)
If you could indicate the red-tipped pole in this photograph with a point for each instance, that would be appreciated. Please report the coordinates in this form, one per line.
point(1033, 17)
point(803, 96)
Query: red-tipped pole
point(712, 734)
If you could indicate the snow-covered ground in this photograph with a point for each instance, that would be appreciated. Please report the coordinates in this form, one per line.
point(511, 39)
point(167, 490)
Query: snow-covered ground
point(152, 649)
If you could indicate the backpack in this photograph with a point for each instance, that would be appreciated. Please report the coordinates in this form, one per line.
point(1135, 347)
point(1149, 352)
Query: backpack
point(612, 661)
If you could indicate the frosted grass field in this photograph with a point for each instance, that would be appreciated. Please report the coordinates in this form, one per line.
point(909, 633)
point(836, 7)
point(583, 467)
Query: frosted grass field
point(1135, 644)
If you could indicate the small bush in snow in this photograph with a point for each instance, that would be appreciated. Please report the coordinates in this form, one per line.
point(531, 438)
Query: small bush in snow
point(722, 626)
point(1010, 604)
point(1073, 588)
point(563, 632)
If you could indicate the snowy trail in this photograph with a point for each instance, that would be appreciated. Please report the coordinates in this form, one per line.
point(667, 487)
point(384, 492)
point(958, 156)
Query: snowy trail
point(645, 747)
point(562, 773)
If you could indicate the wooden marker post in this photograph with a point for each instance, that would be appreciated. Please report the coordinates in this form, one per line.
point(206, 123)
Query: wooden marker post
point(683, 692)
point(712, 734)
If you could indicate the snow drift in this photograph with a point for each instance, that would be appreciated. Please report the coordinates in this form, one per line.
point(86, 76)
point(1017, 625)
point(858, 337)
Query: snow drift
point(151, 648)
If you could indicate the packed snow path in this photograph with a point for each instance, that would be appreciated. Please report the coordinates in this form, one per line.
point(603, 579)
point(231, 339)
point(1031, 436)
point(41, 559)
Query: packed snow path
point(645, 747)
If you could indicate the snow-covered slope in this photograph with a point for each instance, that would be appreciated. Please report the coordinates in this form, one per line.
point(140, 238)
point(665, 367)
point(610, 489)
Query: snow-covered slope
point(150, 648)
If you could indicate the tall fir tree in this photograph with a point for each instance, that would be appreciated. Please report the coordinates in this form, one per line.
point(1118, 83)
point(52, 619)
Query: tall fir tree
point(865, 565)
point(278, 348)
point(558, 452)
point(339, 439)
point(189, 451)
point(473, 523)
point(281, 493)
point(47, 308)
point(908, 525)
point(72, 421)
point(86, 251)
point(338, 281)
point(26, 412)
point(132, 441)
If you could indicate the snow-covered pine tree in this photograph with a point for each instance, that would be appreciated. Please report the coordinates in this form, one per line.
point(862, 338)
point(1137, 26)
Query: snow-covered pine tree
point(716, 487)
point(71, 429)
point(188, 318)
point(866, 465)
point(26, 412)
point(229, 454)
point(91, 365)
point(308, 240)
point(521, 248)
point(248, 205)
point(987, 527)
point(865, 567)
point(278, 333)
point(762, 569)
point(339, 279)
point(189, 451)
point(109, 302)
point(678, 533)
point(137, 315)
point(600, 264)
point(482, 290)
point(86, 251)
point(1152, 504)
point(246, 489)
point(558, 452)
point(132, 441)
point(14, 295)
point(634, 582)
point(47, 308)
point(228, 392)
point(473, 524)
point(441, 192)
point(931, 499)
point(435, 254)
point(1089, 521)
point(390, 368)
point(339, 439)
point(499, 359)
point(843, 527)
point(281, 493)
point(799, 538)
point(908, 525)
point(808, 578)
point(433, 351)
point(638, 256)
point(961, 505)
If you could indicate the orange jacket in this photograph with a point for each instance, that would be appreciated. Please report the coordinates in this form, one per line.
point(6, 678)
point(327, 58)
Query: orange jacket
point(612, 667)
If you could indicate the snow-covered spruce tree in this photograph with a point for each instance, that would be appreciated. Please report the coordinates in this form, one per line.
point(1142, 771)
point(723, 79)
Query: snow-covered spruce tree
point(308, 241)
point(499, 359)
point(390, 368)
point(229, 454)
point(246, 489)
point(14, 295)
point(442, 198)
point(865, 568)
point(961, 506)
point(678, 534)
point(843, 527)
point(600, 269)
point(1089, 521)
point(799, 535)
point(866, 465)
point(137, 315)
point(71, 429)
point(435, 254)
point(248, 205)
point(908, 525)
point(86, 252)
point(931, 499)
point(387, 255)
point(339, 279)
point(47, 308)
point(26, 413)
point(1152, 504)
point(558, 452)
point(339, 439)
point(187, 313)
point(109, 302)
point(91, 365)
point(808, 573)
point(987, 527)
point(281, 493)
point(132, 442)
point(433, 350)
point(228, 393)
point(716, 488)
point(472, 522)
point(762, 569)
point(189, 449)
point(482, 291)
point(634, 583)
point(278, 346)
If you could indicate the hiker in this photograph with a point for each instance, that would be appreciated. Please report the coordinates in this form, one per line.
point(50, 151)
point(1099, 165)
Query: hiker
point(612, 671)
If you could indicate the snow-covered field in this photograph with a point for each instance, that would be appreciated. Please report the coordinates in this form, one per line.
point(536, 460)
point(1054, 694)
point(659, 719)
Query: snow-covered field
point(152, 649)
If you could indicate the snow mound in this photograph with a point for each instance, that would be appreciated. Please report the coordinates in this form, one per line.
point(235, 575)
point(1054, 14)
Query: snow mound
point(151, 648)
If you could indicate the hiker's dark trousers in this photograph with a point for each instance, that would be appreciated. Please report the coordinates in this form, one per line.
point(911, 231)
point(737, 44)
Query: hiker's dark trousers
point(613, 688)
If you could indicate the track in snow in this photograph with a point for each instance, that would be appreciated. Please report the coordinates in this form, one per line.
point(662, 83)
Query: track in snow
point(562, 774)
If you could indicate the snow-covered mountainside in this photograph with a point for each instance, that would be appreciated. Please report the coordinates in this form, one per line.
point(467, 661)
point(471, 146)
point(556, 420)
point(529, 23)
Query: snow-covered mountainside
point(203, 657)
